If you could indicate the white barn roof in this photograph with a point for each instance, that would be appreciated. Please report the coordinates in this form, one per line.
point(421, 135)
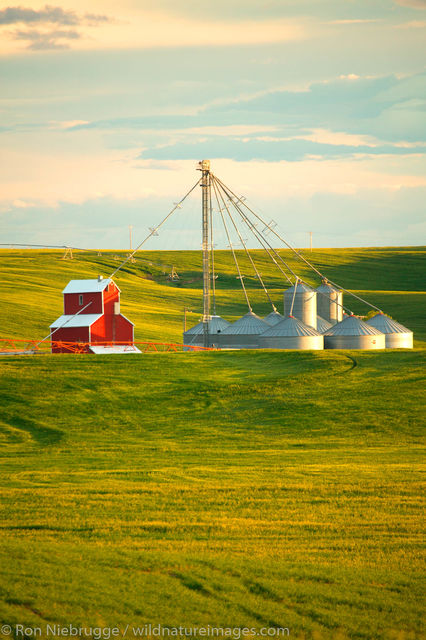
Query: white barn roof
point(82, 320)
point(87, 286)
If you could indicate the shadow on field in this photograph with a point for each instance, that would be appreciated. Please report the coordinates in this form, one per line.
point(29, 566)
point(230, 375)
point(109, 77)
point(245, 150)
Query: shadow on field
point(44, 436)
point(255, 588)
point(387, 269)
point(354, 363)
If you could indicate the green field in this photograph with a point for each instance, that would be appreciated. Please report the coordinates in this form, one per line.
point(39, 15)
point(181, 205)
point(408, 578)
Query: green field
point(231, 489)
point(32, 281)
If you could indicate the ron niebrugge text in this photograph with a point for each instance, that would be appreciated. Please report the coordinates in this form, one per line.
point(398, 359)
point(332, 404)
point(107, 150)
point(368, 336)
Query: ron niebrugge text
point(147, 631)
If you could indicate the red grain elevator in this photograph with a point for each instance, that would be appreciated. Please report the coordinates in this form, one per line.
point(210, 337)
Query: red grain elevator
point(91, 315)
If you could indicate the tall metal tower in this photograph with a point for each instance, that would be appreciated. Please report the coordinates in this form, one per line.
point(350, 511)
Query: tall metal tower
point(204, 167)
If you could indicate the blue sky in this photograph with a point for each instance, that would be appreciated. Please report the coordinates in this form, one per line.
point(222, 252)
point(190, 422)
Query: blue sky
point(313, 109)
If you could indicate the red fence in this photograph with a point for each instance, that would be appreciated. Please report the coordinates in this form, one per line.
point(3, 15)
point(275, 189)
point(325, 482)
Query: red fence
point(19, 346)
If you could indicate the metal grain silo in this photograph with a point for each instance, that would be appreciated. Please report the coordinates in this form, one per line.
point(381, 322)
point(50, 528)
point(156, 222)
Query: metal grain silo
point(305, 303)
point(323, 325)
point(329, 303)
point(396, 335)
point(353, 333)
point(243, 333)
point(273, 318)
point(195, 335)
point(291, 333)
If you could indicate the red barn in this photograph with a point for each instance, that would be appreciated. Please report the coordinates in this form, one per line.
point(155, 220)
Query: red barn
point(92, 314)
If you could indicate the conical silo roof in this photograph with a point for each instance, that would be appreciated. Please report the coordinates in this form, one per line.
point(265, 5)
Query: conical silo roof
point(301, 288)
point(323, 325)
point(326, 288)
point(250, 324)
point(329, 303)
point(290, 326)
point(386, 325)
point(352, 326)
point(216, 324)
point(273, 318)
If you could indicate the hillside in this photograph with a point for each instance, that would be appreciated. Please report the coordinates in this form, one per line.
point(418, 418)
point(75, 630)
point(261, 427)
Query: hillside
point(32, 281)
point(230, 489)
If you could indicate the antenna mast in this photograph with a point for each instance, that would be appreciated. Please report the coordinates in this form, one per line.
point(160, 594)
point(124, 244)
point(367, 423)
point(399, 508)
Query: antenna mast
point(204, 167)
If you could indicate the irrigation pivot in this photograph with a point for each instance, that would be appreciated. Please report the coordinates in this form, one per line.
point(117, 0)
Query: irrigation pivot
point(297, 328)
point(313, 318)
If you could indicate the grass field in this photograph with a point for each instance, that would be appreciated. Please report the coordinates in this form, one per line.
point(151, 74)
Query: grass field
point(249, 489)
point(32, 282)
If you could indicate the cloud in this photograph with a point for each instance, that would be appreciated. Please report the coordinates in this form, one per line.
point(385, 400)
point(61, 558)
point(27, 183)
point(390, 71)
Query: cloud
point(38, 40)
point(271, 149)
point(48, 18)
point(413, 4)
point(16, 15)
point(296, 197)
point(340, 138)
point(349, 114)
point(386, 107)
point(178, 124)
point(156, 165)
point(67, 124)
point(143, 29)
point(62, 176)
point(22, 204)
point(327, 105)
point(354, 21)
point(413, 24)
point(49, 14)
point(344, 116)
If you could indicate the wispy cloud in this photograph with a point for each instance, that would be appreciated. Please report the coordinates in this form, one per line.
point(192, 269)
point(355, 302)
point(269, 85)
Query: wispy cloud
point(67, 124)
point(148, 29)
point(274, 149)
point(49, 14)
point(39, 40)
point(349, 76)
point(354, 21)
point(389, 109)
point(48, 19)
point(414, 4)
point(298, 114)
point(413, 24)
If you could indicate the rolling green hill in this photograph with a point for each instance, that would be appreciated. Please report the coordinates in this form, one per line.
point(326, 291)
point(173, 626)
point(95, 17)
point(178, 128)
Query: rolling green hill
point(230, 489)
point(32, 281)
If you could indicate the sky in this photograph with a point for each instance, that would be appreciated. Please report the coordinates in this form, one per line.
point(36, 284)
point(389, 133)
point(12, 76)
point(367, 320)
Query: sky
point(313, 110)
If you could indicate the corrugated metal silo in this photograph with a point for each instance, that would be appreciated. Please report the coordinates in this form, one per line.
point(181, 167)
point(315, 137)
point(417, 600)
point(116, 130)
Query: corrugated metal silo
point(353, 333)
point(291, 333)
point(397, 336)
point(273, 318)
point(195, 335)
point(243, 333)
point(323, 325)
point(329, 301)
point(305, 304)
